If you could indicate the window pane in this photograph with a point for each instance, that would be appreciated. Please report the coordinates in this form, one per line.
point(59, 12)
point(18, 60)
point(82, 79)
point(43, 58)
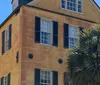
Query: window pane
point(7, 34)
point(7, 39)
point(71, 31)
point(7, 45)
point(74, 5)
point(63, 6)
point(63, 3)
point(73, 36)
point(46, 31)
point(46, 80)
point(71, 5)
point(6, 80)
point(44, 26)
point(79, 8)
point(79, 2)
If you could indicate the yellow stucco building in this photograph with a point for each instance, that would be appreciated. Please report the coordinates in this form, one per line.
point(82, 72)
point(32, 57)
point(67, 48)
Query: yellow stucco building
point(36, 37)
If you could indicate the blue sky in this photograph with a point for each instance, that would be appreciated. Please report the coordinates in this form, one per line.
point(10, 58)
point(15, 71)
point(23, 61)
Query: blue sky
point(6, 9)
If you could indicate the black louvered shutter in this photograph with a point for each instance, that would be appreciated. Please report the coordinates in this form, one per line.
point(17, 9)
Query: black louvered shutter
point(2, 83)
point(55, 78)
point(9, 79)
point(37, 29)
point(55, 33)
point(66, 35)
point(10, 33)
point(81, 29)
point(37, 76)
point(66, 78)
point(3, 42)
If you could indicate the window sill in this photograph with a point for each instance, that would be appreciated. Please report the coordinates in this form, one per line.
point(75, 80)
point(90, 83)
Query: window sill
point(46, 44)
point(41, 44)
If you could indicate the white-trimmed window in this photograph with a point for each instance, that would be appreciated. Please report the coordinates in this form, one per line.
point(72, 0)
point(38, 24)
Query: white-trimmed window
point(6, 39)
point(73, 5)
point(5, 80)
point(6, 47)
point(46, 33)
point(45, 77)
point(73, 36)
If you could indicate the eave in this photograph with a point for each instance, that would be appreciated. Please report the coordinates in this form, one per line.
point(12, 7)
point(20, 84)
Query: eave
point(18, 8)
point(96, 4)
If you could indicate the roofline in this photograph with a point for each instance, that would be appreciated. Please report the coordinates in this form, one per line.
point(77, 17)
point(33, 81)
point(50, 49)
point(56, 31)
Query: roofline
point(93, 1)
point(96, 4)
point(10, 16)
point(18, 8)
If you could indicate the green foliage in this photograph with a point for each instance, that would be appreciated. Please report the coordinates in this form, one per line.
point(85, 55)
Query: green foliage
point(84, 62)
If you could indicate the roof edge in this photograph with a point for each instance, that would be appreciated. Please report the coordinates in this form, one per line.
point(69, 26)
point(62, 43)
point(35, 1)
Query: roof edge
point(18, 8)
point(96, 5)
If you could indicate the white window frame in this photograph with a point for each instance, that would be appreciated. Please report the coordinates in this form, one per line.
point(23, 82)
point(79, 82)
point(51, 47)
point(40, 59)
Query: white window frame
point(6, 43)
point(5, 80)
point(72, 10)
point(51, 31)
point(75, 35)
point(51, 76)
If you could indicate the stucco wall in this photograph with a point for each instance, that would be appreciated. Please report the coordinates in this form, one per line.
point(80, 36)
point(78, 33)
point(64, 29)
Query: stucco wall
point(89, 10)
point(45, 57)
point(8, 59)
